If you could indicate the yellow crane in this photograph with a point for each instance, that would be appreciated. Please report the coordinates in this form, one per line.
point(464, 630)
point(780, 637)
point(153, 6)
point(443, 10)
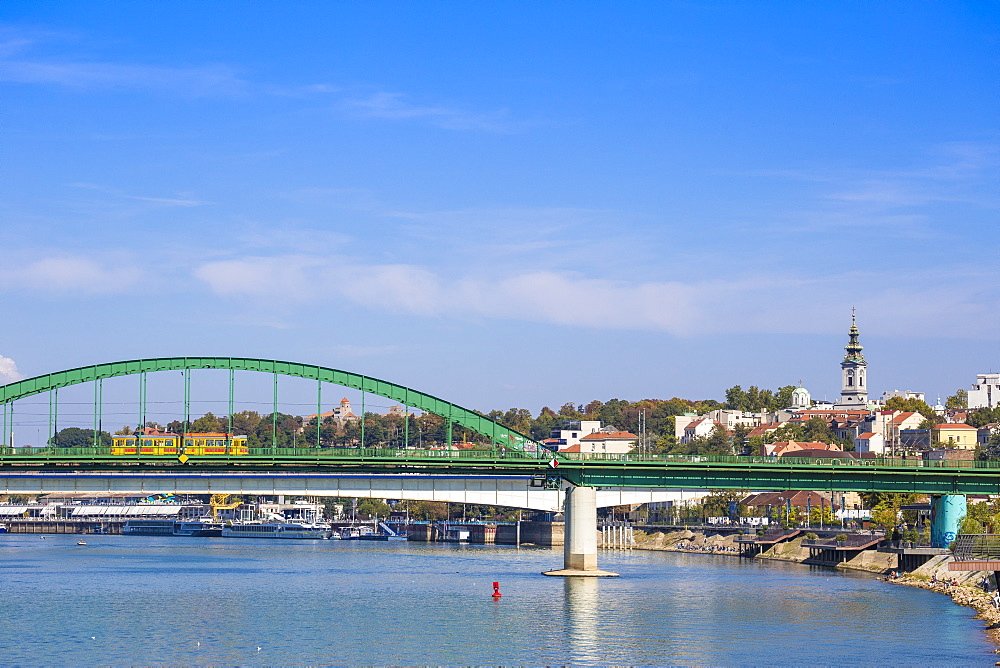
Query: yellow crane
point(223, 502)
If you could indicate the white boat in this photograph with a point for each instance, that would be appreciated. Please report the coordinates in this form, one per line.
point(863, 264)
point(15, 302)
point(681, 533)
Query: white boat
point(300, 530)
point(204, 526)
point(148, 528)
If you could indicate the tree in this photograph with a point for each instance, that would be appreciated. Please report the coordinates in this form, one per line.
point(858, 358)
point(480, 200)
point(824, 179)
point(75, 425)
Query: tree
point(208, 423)
point(373, 507)
point(570, 411)
point(983, 417)
point(991, 450)
point(910, 405)
point(74, 437)
point(736, 399)
point(958, 400)
point(125, 431)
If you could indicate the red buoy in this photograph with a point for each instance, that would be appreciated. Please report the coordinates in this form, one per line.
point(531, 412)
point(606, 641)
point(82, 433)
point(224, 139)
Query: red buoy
point(496, 590)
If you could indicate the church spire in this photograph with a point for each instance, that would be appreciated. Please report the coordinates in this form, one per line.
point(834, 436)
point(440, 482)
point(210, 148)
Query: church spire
point(853, 346)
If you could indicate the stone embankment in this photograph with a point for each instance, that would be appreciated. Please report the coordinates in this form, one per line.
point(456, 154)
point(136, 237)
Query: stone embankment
point(792, 550)
point(964, 588)
point(687, 541)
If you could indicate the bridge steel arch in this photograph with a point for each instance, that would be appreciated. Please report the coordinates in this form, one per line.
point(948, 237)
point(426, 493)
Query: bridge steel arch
point(498, 433)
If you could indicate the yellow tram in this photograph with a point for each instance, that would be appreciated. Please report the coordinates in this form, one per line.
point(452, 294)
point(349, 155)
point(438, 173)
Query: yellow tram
point(193, 444)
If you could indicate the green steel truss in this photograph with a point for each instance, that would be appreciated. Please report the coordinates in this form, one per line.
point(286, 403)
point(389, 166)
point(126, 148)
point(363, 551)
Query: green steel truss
point(496, 432)
point(665, 471)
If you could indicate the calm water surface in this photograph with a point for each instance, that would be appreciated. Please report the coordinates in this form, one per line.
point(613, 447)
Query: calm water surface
point(128, 600)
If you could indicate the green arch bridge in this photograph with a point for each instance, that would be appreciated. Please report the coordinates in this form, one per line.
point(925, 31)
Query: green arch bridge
point(508, 451)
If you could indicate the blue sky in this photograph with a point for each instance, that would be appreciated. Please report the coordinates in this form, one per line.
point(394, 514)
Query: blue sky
point(506, 204)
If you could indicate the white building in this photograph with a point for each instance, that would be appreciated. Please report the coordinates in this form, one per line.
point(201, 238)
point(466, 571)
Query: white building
point(698, 428)
point(614, 442)
point(904, 394)
point(985, 392)
point(870, 442)
point(854, 369)
point(800, 399)
point(570, 434)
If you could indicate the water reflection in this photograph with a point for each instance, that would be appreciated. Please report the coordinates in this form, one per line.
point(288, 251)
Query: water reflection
point(582, 618)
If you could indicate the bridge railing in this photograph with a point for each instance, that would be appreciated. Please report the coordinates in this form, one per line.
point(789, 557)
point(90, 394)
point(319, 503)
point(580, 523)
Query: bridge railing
point(52, 453)
point(896, 462)
point(976, 546)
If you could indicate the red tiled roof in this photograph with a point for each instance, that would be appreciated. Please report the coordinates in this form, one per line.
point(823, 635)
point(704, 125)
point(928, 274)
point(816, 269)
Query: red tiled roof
point(948, 425)
point(866, 435)
point(609, 436)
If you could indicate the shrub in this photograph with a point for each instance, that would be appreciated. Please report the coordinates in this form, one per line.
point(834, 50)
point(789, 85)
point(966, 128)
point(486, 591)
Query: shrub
point(841, 538)
point(811, 536)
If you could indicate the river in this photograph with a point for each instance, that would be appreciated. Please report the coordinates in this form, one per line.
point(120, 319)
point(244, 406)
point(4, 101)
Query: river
point(130, 600)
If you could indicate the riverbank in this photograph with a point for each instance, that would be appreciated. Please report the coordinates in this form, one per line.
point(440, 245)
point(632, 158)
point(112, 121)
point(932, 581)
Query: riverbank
point(962, 587)
point(867, 561)
point(932, 576)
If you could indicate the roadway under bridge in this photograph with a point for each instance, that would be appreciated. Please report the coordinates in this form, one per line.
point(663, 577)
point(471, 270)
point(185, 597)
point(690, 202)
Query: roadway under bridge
point(508, 491)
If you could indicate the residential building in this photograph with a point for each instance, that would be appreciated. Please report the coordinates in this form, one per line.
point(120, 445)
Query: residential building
point(795, 448)
point(870, 442)
point(570, 434)
point(983, 433)
point(903, 394)
point(605, 442)
point(985, 392)
point(699, 428)
point(956, 435)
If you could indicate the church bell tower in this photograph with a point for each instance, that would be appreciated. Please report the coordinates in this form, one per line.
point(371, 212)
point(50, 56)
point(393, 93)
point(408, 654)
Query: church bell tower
point(854, 371)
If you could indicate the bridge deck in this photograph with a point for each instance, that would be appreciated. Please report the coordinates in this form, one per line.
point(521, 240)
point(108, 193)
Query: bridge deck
point(671, 471)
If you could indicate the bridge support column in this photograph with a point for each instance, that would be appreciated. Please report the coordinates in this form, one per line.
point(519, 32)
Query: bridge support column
point(947, 511)
point(580, 547)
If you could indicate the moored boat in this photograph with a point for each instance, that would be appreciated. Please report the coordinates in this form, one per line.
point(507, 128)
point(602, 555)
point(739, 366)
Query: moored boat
point(148, 528)
point(204, 526)
point(299, 530)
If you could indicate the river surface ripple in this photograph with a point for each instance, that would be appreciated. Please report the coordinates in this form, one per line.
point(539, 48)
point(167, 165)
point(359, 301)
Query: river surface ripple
point(130, 600)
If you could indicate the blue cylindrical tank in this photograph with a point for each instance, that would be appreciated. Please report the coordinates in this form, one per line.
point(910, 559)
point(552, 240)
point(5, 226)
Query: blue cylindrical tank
point(947, 511)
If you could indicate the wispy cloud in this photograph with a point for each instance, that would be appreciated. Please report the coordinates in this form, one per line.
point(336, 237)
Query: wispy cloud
point(8, 371)
point(760, 303)
point(189, 81)
point(69, 275)
point(395, 106)
point(20, 63)
point(157, 201)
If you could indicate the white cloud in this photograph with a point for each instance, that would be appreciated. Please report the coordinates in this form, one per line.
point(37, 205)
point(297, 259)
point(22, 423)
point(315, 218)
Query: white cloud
point(192, 81)
point(156, 201)
point(264, 277)
point(67, 274)
point(393, 106)
point(8, 371)
point(769, 303)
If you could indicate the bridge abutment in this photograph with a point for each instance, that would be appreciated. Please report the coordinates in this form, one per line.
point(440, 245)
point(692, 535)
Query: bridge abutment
point(580, 546)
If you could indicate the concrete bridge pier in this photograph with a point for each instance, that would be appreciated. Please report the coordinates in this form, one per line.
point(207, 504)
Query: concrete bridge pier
point(947, 512)
point(580, 547)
